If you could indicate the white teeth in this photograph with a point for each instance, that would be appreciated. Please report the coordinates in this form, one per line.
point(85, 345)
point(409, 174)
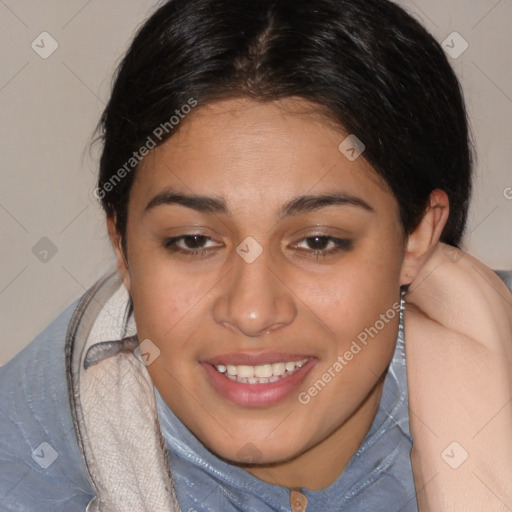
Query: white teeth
point(245, 371)
point(260, 374)
point(278, 368)
point(290, 366)
point(263, 370)
point(256, 380)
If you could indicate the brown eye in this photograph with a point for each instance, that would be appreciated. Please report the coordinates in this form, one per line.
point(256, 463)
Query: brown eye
point(323, 245)
point(190, 245)
point(318, 243)
point(194, 241)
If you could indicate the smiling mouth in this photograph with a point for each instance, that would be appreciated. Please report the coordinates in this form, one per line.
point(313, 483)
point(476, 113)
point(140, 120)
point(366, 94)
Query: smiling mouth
point(260, 374)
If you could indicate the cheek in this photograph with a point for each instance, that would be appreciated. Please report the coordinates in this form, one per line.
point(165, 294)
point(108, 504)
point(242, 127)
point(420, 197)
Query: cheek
point(353, 296)
point(363, 330)
point(359, 304)
point(166, 301)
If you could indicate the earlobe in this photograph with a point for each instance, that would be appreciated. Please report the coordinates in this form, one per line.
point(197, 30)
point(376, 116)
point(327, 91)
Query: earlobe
point(424, 239)
point(116, 241)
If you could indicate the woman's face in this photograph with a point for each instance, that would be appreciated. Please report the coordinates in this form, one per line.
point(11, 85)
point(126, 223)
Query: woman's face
point(292, 254)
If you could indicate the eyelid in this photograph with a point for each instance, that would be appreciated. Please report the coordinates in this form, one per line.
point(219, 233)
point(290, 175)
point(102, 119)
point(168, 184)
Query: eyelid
point(324, 230)
point(340, 244)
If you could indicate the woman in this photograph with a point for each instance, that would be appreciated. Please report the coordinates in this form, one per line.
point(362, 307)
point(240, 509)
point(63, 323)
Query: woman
point(285, 213)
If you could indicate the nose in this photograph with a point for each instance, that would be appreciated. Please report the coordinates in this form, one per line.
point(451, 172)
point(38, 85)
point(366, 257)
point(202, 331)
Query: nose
point(255, 299)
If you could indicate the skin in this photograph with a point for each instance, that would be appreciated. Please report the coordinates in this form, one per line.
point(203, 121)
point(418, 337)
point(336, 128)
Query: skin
point(258, 156)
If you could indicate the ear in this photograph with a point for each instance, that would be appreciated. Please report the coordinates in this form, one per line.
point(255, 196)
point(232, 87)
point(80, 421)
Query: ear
point(115, 240)
point(424, 239)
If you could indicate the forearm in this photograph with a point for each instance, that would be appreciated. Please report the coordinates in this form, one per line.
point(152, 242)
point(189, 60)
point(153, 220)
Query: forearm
point(458, 332)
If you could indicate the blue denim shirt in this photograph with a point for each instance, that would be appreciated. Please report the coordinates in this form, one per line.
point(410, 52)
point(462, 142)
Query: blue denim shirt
point(40, 465)
point(377, 478)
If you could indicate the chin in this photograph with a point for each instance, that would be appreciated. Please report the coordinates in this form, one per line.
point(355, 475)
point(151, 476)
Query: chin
point(257, 454)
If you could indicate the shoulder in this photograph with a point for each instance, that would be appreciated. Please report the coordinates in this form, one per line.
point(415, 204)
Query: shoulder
point(39, 455)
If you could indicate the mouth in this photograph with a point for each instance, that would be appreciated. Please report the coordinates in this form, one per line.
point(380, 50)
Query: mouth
point(274, 378)
point(261, 374)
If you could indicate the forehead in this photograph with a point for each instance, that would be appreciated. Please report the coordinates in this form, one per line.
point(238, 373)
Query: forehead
point(240, 149)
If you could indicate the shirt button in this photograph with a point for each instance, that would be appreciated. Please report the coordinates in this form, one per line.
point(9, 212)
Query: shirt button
point(298, 501)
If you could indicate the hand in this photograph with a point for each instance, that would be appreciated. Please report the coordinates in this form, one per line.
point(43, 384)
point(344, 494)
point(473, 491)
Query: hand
point(458, 341)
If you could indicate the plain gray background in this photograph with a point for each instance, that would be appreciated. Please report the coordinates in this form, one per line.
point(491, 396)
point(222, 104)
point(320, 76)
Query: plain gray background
point(54, 242)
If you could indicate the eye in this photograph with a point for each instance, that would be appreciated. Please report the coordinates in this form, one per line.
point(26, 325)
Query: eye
point(189, 244)
point(195, 245)
point(318, 245)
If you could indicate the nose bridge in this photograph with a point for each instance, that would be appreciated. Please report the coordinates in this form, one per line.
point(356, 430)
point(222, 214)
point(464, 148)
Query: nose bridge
point(254, 300)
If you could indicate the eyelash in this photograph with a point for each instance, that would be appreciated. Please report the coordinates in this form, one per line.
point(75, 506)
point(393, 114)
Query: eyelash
point(341, 245)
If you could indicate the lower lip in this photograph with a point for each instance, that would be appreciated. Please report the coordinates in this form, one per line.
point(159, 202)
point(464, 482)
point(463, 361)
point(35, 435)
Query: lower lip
point(257, 395)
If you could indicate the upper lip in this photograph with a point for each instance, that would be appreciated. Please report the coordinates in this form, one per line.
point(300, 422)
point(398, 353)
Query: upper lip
point(255, 359)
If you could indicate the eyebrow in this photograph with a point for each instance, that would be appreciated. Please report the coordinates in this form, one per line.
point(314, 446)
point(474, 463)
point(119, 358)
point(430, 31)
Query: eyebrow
point(296, 206)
